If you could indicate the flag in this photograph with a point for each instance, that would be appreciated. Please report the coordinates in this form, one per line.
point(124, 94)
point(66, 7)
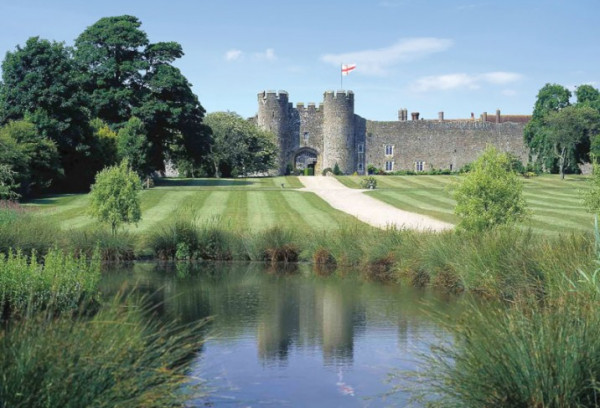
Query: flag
point(346, 68)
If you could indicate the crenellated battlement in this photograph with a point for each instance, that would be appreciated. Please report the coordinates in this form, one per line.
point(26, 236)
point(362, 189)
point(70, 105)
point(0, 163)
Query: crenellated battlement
point(311, 108)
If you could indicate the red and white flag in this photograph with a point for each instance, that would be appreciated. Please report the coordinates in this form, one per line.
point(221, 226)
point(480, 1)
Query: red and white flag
point(346, 68)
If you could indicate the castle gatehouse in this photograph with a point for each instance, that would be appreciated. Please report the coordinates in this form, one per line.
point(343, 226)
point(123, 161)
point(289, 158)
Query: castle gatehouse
point(319, 137)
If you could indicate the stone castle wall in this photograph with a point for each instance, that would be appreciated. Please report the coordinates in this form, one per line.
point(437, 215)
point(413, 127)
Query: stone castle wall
point(335, 134)
point(440, 145)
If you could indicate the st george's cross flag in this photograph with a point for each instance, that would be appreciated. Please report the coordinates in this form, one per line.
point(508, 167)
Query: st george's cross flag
point(346, 68)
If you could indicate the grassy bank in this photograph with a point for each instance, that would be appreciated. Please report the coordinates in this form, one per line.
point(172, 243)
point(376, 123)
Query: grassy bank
point(61, 344)
point(556, 205)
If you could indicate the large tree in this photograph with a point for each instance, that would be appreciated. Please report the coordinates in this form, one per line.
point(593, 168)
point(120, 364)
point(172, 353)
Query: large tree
point(569, 132)
point(551, 98)
point(239, 146)
point(40, 84)
point(128, 76)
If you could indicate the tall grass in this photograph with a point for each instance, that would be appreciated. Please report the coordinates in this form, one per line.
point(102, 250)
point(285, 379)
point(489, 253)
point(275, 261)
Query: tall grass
point(526, 354)
point(117, 358)
point(20, 229)
point(60, 283)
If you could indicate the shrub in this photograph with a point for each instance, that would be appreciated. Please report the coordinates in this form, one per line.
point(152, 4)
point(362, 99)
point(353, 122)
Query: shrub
point(490, 195)
point(336, 170)
point(326, 171)
point(369, 182)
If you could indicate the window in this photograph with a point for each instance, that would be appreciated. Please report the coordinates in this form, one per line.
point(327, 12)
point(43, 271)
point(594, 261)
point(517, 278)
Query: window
point(389, 150)
point(389, 166)
point(305, 137)
point(360, 167)
point(451, 166)
point(419, 166)
point(361, 148)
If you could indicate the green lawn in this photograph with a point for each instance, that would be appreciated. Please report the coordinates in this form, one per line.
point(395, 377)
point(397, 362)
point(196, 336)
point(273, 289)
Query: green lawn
point(555, 204)
point(246, 204)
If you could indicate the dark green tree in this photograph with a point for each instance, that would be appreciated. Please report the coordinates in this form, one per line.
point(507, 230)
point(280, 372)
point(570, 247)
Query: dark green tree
point(32, 156)
point(551, 98)
point(128, 76)
point(239, 147)
point(588, 95)
point(133, 146)
point(40, 84)
point(570, 132)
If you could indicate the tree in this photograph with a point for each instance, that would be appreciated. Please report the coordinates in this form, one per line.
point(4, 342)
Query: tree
point(133, 146)
point(570, 131)
point(40, 85)
point(491, 194)
point(551, 98)
point(128, 76)
point(32, 156)
point(588, 95)
point(239, 147)
point(114, 196)
point(105, 142)
point(8, 184)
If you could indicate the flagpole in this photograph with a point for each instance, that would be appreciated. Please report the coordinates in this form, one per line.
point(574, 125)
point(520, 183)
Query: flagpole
point(341, 77)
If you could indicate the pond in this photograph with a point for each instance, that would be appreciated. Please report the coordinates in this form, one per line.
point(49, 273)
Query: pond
point(290, 338)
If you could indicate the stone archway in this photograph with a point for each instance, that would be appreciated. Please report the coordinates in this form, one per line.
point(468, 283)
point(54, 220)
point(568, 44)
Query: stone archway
point(306, 158)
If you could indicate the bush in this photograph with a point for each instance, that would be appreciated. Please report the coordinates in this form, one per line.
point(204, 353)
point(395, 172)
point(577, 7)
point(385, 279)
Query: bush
point(327, 170)
point(173, 238)
point(369, 182)
point(336, 170)
point(490, 195)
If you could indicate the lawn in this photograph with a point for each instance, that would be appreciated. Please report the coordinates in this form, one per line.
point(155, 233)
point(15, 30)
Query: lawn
point(556, 205)
point(246, 204)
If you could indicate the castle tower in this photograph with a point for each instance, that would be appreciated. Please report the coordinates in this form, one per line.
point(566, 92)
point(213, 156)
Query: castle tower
point(338, 131)
point(274, 112)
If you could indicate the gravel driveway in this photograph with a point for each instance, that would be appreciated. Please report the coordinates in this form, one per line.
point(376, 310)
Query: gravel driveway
point(368, 209)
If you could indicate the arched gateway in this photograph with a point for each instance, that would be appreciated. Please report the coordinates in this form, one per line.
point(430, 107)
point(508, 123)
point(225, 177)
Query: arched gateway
point(306, 158)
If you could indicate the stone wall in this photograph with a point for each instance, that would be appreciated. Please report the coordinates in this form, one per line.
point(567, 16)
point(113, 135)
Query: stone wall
point(441, 145)
point(337, 135)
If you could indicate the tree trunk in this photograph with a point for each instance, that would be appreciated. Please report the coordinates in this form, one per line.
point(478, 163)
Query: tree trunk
point(561, 162)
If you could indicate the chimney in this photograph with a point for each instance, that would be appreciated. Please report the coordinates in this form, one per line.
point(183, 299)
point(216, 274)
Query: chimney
point(472, 116)
point(441, 116)
point(484, 116)
point(497, 115)
point(415, 115)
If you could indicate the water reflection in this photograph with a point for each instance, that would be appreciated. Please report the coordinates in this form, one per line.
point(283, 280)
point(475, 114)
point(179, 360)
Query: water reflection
point(290, 329)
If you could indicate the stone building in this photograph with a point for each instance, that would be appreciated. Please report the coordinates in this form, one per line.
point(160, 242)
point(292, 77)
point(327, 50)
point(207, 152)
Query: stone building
point(320, 136)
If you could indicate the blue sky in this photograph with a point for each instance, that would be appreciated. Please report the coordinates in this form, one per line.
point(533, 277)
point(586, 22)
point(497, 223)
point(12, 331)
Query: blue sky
point(427, 56)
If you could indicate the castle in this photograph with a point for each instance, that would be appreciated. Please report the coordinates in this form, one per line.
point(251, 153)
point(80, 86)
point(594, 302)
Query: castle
point(319, 137)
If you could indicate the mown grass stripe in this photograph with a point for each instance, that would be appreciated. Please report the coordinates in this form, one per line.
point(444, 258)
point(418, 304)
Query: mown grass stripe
point(161, 210)
point(306, 206)
point(260, 214)
point(412, 207)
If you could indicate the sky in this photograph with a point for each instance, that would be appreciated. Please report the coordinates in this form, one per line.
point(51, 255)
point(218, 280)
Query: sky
point(426, 56)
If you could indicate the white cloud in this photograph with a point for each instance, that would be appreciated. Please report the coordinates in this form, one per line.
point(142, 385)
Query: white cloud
point(464, 81)
point(268, 54)
point(233, 55)
point(378, 61)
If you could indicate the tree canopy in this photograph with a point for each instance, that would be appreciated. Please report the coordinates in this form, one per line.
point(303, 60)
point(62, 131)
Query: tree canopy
point(559, 134)
point(127, 76)
point(80, 97)
point(239, 146)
